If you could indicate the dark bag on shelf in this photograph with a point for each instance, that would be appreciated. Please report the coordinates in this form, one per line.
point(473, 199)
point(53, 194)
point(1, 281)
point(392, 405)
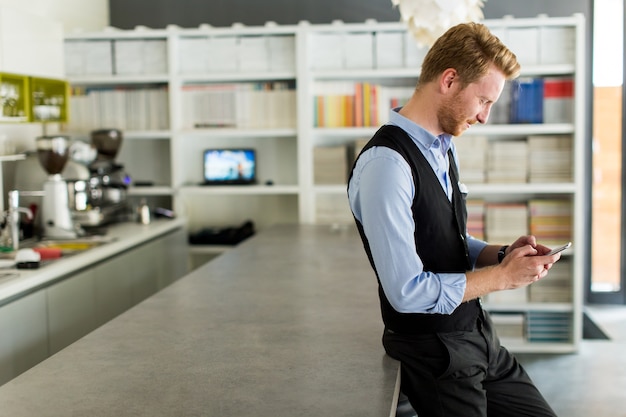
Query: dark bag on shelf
point(230, 235)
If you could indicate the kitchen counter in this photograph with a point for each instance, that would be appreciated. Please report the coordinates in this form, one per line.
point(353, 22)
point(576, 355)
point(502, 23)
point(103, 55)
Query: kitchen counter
point(287, 323)
point(14, 283)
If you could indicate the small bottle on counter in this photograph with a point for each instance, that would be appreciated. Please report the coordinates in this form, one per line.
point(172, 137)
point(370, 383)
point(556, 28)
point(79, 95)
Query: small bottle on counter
point(144, 212)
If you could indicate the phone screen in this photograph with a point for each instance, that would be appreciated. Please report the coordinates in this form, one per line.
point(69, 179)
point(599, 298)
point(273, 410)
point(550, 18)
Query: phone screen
point(559, 249)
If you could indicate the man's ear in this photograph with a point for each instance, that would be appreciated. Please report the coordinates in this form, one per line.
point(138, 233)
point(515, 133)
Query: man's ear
point(448, 77)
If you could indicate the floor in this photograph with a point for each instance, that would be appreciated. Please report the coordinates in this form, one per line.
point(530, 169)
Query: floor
point(591, 382)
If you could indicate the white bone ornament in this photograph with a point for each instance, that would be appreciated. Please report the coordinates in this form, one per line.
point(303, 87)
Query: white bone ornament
point(429, 19)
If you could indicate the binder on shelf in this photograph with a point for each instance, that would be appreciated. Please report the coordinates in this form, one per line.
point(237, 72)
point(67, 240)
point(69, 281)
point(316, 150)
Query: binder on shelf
point(413, 52)
point(389, 49)
point(558, 100)
point(194, 54)
point(74, 57)
point(524, 42)
point(139, 56)
point(326, 51)
point(223, 54)
point(527, 100)
point(128, 56)
point(358, 50)
point(253, 54)
point(154, 56)
point(282, 53)
point(98, 57)
point(557, 45)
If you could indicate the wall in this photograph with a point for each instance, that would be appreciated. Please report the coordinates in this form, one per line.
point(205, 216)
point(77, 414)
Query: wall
point(90, 15)
point(190, 13)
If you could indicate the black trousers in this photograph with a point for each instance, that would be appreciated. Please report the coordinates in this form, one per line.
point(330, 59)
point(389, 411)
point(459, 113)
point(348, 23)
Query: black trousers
point(464, 374)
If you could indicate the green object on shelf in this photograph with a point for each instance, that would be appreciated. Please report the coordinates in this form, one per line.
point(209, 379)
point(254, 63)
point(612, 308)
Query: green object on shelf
point(49, 98)
point(14, 98)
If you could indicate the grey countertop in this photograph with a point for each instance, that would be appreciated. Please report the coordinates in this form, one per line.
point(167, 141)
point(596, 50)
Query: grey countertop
point(286, 324)
point(122, 236)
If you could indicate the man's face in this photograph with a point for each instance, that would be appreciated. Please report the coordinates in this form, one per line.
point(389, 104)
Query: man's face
point(464, 107)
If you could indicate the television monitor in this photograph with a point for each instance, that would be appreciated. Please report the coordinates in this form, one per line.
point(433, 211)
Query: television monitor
point(229, 166)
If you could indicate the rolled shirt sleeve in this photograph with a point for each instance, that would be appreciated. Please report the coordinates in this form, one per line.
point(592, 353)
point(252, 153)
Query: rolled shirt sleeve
point(381, 193)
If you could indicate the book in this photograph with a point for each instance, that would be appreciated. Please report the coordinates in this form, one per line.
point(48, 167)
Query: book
point(558, 100)
point(527, 100)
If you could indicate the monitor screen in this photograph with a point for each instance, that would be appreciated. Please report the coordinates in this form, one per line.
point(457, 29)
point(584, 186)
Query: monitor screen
point(229, 166)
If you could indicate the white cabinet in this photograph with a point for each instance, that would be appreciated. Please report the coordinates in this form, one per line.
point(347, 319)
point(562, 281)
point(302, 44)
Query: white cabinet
point(306, 97)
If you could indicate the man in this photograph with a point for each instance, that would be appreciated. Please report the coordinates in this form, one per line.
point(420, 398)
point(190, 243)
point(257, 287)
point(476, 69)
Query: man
point(410, 211)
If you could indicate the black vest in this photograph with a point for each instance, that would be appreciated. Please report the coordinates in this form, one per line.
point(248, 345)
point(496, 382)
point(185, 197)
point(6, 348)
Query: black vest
point(439, 236)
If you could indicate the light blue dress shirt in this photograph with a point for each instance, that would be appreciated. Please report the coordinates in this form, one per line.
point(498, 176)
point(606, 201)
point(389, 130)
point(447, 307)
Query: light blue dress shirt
point(381, 193)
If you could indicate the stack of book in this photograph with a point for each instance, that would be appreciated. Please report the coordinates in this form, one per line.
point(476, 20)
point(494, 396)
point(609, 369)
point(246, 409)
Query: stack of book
point(550, 221)
point(548, 327)
point(556, 287)
point(354, 149)
point(550, 158)
point(122, 108)
point(476, 218)
point(505, 222)
point(508, 297)
point(332, 209)
point(350, 104)
point(507, 161)
point(511, 327)
point(330, 165)
point(239, 105)
point(472, 153)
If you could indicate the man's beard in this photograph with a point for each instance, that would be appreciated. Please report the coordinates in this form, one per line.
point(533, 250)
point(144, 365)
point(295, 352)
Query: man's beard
point(450, 116)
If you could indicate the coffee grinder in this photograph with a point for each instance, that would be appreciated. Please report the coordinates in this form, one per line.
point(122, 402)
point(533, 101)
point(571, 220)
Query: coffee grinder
point(53, 153)
point(108, 179)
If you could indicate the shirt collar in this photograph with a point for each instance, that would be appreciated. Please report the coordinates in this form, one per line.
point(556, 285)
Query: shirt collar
point(418, 134)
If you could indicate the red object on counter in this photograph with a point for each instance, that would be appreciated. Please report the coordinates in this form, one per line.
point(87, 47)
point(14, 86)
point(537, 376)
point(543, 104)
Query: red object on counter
point(48, 253)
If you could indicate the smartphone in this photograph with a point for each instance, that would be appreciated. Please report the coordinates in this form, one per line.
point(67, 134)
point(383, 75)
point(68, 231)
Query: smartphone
point(559, 249)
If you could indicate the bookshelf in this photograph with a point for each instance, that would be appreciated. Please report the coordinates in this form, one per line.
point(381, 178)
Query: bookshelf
point(285, 91)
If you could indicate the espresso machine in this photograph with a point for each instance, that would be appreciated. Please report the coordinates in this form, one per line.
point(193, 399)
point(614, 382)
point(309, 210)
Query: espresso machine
point(102, 199)
point(57, 223)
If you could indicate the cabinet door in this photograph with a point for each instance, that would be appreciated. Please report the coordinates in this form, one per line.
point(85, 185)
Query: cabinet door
point(23, 335)
point(145, 268)
point(174, 258)
point(71, 309)
point(113, 287)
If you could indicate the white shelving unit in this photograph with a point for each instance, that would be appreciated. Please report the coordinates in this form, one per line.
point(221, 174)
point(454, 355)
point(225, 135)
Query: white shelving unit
point(305, 59)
